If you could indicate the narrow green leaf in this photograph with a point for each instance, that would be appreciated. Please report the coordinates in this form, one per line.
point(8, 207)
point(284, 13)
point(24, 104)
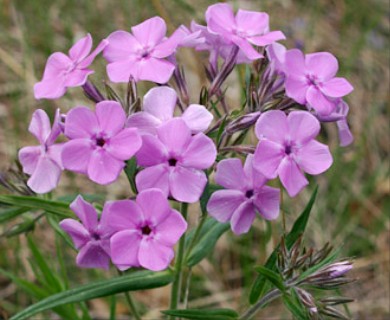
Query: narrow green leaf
point(206, 243)
point(11, 213)
point(134, 281)
point(272, 276)
point(131, 170)
point(55, 207)
point(298, 228)
point(203, 314)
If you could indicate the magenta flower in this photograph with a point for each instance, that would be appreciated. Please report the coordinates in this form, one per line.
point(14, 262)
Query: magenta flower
point(311, 80)
point(340, 117)
point(291, 149)
point(245, 194)
point(64, 71)
point(174, 161)
point(91, 237)
point(99, 142)
point(276, 53)
point(245, 29)
point(159, 105)
point(141, 55)
point(148, 230)
point(43, 162)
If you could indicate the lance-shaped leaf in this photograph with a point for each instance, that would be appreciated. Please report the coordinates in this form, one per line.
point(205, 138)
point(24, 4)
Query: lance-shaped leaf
point(203, 314)
point(134, 281)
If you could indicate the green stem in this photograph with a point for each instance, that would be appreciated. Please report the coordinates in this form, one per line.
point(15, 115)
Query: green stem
point(132, 306)
point(196, 235)
point(271, 295)
point(176, 286)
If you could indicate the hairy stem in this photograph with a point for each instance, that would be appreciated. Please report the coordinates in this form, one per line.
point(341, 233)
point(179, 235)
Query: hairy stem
point(132, 306)
point(176, 286)
point(272, 295)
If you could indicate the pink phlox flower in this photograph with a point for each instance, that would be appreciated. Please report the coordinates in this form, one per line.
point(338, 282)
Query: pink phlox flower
point(91, 237)
point(43, 162)
point(99, 144)
point(159, 105)
point(276, 54)
point(147, 230)
point(291, 149)
point(311, 80)
point(174, 161)
point(245, 194)
point(244, 29)
point(142, 54)
point(339, 115)
point(63, 71)
point(188, 38)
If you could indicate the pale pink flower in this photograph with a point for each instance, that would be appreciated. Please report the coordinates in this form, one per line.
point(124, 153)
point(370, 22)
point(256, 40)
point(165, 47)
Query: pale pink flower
point(311, 81)
point(43, 162)
point(174, 161)
point(99, 144)
point(287, 148)
point(142, 54)
point(64, 71)
point(245, 195)
point(147, 229)
point(159, 105)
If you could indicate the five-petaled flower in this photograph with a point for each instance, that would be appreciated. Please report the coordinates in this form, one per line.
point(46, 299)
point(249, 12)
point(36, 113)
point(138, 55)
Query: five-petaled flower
point(142, 54)
point(43, 162)
point(245, 194)
point(64, 71)
point(287, 148)
point(91, 237)
point(147, 229)
point(311, 81)
point(99, 142)
point(174, 161)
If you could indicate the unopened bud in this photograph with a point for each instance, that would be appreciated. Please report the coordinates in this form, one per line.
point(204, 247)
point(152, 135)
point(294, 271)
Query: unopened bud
point(242, 122)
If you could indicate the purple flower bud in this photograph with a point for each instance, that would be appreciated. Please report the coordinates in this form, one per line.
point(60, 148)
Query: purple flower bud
point(338, 269)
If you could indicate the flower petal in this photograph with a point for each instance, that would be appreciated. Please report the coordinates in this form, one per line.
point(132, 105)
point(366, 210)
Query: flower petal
point(345, 134)
point(243, 217)
point(111, 117)
point(80, 236)
point(247, 49)
point(314, 157)
point(154, 205)
point(160, 102)
point(320, 103)
point(45, 176)
point(200, 153)
point(125, 144)
point(336, 88)
point(197, 118)
point(175, 135)
point(144, 122)
point(121, 45)
point(154, 177)
point(267, 202)
point(223, 203)
point(40, 125)
point(253, 23)
point(85, 212)
point(291, 176)
point(220, 18)
point(104, 168)
point(81, 122)
point(296, 88)
point(231, 175)
point(255, 178)
point(295, 64)
point(187, 185)
point(155, 70)
point(125, 247)
point(81, 48)
point(77, 77)
point(322, 64)
point(266, 124)
point(53, 88)
point(123, 70)
point(76, 154)
point(303, 126)
point(150, 32)
point(267, 158)
point(152, 152)
point(92, 255)
point(28, 157)
point(267, 39)
point(169, 231)
point(56, 65)
point(153, 255)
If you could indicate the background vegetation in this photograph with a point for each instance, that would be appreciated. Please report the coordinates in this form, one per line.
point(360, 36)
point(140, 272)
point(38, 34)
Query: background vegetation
point(353, 204)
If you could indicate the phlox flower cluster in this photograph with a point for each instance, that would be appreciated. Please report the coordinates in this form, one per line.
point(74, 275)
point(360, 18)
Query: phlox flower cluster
point(180, 147)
